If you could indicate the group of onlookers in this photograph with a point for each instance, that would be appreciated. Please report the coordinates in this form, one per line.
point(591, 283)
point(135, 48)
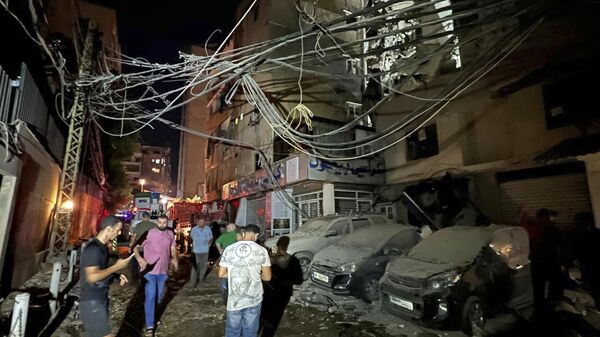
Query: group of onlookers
point(256, 286)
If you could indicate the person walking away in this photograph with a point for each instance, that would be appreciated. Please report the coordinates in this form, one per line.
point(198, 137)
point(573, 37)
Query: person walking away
point(139, 234)
point(587, 253)
point(96, 277)
point(225, 240)
point(245, 264)
point(202, 239)
point(545, 263)
point(160, 250)
point(286, 272)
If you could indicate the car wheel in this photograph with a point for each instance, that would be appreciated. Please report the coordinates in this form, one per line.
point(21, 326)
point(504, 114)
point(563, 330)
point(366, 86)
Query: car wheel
point(370, 291)
point(473, 315)
point(305, 261)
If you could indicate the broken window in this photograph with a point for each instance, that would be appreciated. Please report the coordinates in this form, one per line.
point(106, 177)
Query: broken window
point(423, 143)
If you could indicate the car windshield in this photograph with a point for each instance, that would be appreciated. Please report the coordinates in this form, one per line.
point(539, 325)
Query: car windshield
point(368, 238)
point(457, 246)
point(314, 227)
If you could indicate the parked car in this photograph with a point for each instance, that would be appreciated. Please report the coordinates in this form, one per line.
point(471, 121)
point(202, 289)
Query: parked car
point(459, 276)
point(319, 233)
point(355, 264)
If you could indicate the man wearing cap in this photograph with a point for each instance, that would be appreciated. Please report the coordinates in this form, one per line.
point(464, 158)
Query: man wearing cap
point(96, 277)
point(245, 264)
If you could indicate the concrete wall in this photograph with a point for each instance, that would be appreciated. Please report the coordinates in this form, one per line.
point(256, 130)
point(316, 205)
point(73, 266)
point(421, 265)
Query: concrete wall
point(10, 173)
point(88, 208)
point(478, 132)
point(36, 199)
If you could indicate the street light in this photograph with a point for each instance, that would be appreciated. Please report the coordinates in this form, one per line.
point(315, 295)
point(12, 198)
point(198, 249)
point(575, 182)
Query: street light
point(142, 182)
point(67, 205)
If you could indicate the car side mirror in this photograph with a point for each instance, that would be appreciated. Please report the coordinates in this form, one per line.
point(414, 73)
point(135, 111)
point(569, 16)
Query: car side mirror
point(331, 234)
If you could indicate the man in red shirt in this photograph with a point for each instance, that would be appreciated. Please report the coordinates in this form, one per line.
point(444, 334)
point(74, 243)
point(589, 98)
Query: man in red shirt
point(160, 250)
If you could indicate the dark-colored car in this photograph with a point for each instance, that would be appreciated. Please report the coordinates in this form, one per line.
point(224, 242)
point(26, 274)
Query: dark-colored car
point(355, 264)
point(459, 276)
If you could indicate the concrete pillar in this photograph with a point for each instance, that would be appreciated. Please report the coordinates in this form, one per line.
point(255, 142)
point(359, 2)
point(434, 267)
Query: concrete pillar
point(592, 167)
point(19, 316)
point(328, 199)
point(8, 197)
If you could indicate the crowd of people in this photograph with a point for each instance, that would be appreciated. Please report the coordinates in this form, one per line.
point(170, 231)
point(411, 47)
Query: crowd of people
point(256, 284)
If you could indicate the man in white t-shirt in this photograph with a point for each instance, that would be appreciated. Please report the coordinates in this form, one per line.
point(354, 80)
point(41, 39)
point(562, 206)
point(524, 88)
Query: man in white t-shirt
point(245, 264)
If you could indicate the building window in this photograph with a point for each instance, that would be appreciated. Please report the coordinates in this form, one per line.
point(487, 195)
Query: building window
point(423, 143)
point(281, 149)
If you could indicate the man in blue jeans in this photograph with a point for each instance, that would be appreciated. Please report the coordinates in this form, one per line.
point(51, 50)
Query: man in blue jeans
point(159, 250)
point(202, 239)
point(245, 264)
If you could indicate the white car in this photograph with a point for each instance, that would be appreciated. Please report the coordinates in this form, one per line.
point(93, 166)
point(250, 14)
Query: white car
point(319, 233)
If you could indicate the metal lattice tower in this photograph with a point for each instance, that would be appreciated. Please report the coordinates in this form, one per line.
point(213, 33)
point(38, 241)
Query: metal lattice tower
point(61, 226)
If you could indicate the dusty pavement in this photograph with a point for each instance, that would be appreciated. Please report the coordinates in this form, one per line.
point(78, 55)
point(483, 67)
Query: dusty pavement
point(200, 312)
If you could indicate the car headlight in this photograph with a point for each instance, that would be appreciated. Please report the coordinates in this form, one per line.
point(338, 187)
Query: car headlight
point(347, 268)
point(444, 280)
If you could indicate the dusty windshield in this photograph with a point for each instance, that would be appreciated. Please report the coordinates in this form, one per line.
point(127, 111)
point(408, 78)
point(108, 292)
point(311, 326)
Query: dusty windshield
point(368, 238)
point(314, 227)
point(457, 246)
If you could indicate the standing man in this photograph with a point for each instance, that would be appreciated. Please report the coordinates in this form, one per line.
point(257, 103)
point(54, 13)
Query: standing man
point(202, 239)
point(159, 250)
point(245, 264)
point(139, 234)
point(226, 239)
point(96, 278)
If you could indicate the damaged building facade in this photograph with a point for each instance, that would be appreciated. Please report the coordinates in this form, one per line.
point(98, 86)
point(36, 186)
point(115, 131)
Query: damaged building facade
point(525, 135)
point(514, 139)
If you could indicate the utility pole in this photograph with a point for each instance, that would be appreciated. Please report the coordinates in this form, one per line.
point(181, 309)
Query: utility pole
point(61, 225)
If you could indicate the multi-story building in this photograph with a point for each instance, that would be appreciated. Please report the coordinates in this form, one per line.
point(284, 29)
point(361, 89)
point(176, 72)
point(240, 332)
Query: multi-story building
point(156, 169)
point(133, 167)
point(235, 178)
point(526, 135)
point(30, 175)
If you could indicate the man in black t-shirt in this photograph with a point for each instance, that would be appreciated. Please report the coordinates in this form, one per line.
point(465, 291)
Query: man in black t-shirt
point(96, 277)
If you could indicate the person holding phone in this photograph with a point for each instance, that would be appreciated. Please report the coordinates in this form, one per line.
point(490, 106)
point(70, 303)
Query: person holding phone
point(96, 277)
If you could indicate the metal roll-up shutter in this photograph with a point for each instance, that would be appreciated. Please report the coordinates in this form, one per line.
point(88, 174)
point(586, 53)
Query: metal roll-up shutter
point(567, 193)
point(256, 213)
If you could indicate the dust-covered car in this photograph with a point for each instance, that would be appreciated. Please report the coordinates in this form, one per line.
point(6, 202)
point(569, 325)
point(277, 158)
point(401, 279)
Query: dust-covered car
point(319, 233)
point(459, 276)
point(355, 264)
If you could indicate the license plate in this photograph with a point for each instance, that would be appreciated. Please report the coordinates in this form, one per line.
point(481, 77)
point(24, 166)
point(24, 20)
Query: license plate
point(400, 302)
point(321, 277)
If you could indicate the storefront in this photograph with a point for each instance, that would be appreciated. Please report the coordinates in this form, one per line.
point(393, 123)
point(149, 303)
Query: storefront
point(306, 188)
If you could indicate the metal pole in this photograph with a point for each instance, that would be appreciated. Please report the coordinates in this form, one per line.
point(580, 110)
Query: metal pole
point(19, 316)
point(72, 263)
point(61, 226)
point(54, 286)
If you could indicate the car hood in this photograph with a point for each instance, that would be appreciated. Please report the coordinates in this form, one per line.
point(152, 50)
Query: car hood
point(337, 255)
point(417, 269)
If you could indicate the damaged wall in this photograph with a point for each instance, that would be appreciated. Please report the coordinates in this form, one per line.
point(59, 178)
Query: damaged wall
point(88, 208)
point(36, 199)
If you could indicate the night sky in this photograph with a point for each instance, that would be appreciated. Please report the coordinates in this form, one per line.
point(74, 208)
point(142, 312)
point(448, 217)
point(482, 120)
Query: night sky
point(157, 31)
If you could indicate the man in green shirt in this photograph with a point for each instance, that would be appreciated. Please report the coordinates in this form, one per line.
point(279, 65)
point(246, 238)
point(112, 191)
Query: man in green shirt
point(227, 238)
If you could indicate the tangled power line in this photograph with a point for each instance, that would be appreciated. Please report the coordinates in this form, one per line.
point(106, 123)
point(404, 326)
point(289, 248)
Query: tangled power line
point(405, 42)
